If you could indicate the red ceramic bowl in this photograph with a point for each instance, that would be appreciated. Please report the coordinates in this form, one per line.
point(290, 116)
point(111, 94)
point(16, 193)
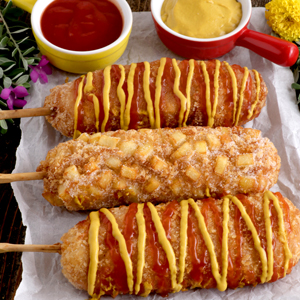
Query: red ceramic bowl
point(274, 49)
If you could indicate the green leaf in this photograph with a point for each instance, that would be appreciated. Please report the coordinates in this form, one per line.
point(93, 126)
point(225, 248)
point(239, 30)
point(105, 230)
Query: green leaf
point(7, 7)
point(1, 29)
point(7, 82)
point(4, 41)
point(3, 126)
point(20, 30)
point(15, 12)
point(22, 79)
point(14, 72)
point(1, 72)
point(296, 86)
point(30, 61)
point(3, 104)
point(4, 60)
point(21, 41)
point(25, 64)
point(18, 75)
point(26, 85)
point(11, 66)
point(28, 50)
point(14, 52)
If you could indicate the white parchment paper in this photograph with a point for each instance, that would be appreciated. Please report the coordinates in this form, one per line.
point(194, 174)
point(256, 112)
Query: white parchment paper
point(279, 121)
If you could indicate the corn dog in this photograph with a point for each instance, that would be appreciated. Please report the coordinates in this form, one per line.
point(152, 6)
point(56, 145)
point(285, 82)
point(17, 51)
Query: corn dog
point(165, 93)
point(226, 243)
point(158, 165)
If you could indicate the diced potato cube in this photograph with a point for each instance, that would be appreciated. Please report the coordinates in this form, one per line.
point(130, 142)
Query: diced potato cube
point(177, 138)
point(61, 190)
point(128, 148)
point(158, 164)
point(84, 137)
point(93, 190)
point(192, 173)
point(247, 184)
point(95, 137)
point(176, 187)
point(91, 167)
point(184, 150)
point(108, 141)
point(152, 185)
point(120, 184)
point(200, 147)
point(144, 151)
point(129, 173)
point(245, 160)
point(105, 179)
point(221, 164)
point(113, 162)
point(71, 173)
point(212, 141)
point(225, 138)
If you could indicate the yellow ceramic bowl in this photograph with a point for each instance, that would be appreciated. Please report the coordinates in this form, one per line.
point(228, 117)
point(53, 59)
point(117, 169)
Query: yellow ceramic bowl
point(81, 61)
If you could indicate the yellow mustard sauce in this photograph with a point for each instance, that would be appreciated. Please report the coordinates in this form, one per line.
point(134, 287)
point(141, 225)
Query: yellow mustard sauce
point(188, 89)
point(141, 246)
point(78, 202)
point(94, 251)
point(246, 74)
point(76, 106)
point(216, 86)
point(106, 103)
point(282, 233)
point(201, 18)
point(166, 245)
point(121, 96)
point(234, 88)
point(130, 89)
point(147, 95)
point(207, 89)
point(158, 91)
point(122, 247)
point(257, 79)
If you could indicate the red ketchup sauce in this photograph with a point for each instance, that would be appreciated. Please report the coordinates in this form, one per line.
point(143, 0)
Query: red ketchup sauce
point(160, 264)
point(81, 25)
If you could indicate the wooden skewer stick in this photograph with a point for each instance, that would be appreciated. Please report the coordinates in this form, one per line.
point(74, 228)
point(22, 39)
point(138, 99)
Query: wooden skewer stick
point(25, 113)
point(6, 178)
point(6, 247)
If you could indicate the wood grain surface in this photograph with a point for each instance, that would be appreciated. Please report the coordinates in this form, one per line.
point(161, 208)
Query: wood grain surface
point(11, 227)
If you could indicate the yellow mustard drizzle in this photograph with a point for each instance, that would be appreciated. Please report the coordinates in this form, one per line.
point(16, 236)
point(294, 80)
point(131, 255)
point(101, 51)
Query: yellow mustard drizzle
point(166, 245)
point(221, 284)
point(147, 95)
point(158, 91)
point(256, 239)
point(188, 89)
point(94, 251)
point(283, 238)
point(89, 83)
point(130, 95)
point(77, 102)
point(141, 246)
point(246, 74)
point(183, 238)
point(234, 88)
point(122, 247)
point(78, 202)
point(216, 86)
point(257, 79)
point(207, 89)
point(268, 236)
point(121, 96)
point(106, 103)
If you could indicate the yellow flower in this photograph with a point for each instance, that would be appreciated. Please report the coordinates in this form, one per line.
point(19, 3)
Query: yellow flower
point(284, 18)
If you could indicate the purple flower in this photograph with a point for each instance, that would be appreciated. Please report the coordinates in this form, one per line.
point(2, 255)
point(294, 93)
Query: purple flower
point(11, 96)
point(41, 70)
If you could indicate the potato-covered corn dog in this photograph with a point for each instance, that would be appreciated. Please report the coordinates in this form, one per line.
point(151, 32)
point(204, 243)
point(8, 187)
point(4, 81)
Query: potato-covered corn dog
point(226, 243)
point(158, 165)
point(164, 93)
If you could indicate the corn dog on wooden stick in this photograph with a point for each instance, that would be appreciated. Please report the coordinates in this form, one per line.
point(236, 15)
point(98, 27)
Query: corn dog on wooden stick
point(158, 165)
point(164, 93)
point(226, 243)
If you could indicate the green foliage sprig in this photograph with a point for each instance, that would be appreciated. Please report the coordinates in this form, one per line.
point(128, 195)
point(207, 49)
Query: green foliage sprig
point(17, 51)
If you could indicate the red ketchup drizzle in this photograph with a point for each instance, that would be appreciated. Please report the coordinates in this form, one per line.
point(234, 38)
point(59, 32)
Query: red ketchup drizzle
point(234, 265)
point(130, 229)
point(80, 111)
point(167, 217)
point(81, 25)
point(247, 95)
point(99, 95)
point(160, 264)
point(167, 84)
point(117, 272)
point(135, 118)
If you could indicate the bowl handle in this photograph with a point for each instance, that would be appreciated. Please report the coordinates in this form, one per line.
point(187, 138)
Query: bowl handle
point(24, 4)
point(278, 51)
